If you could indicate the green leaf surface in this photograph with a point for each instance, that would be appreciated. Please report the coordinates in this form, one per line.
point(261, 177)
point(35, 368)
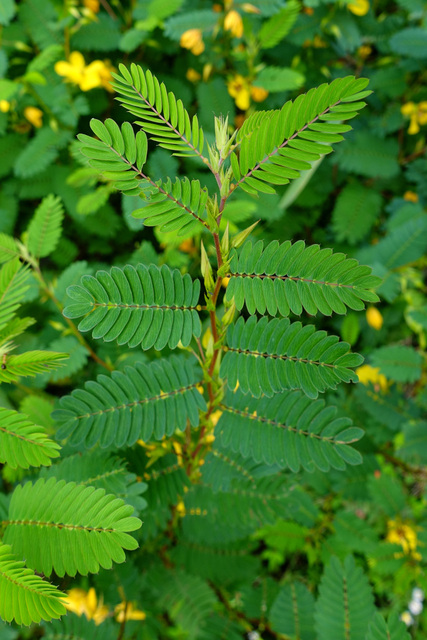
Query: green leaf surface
point(69, 528)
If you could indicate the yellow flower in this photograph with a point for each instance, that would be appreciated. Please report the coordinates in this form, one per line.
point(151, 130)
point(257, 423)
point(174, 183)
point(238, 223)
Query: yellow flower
point(410, 196)
point(258, 94)
point(87, 77)
point(4, 106)
point(417, 114)
point(81, 602)
point(192, 40)
point(125, 611)
point(34, 115)
point(374, 318)
point(192, 75)
point(364, 51)
point(180, 509)
point(238, 88)
point(215, 417)
point(233, 22)
point(225, 281)
point(405, 535)
point(368, 374)
point(92, 5)
point(359, 7)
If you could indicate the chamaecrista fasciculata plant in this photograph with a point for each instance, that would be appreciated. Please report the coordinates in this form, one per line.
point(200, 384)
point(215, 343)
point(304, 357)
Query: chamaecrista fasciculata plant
point(258, 368)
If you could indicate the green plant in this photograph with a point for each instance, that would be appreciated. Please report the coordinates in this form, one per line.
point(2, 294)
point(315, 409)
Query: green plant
point(239, 408)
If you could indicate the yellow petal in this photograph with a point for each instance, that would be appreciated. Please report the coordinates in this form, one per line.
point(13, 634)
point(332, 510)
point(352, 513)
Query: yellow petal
point(410, 196)
point(359, 7)
point(4, 106)
point(414, 126)
point(77, 60)
point(92, 5)
point(34, 115)
point(258, 94)
point(408, 109)
point(190, 38)
point(192, 75)
point(243, 99)
point(374, 318)
point(233, 22)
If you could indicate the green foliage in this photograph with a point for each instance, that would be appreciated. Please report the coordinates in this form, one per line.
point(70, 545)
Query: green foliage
point(292, 612)
point(252, 489)
point(285, 141)
point(44, 230)
point(147, 306)
point(162, 116)
point(290, 277)
point(51, 514)
point(289, 431)
point(266, 357)
point(345, 604)
point(24, 443)
point(26, 597)
point(141, 402)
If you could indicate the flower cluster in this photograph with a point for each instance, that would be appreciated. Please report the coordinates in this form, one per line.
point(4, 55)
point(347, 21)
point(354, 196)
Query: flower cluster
point(417, 113)
point(415, 606)
point(87, 77)
point(405, 535)
point(84, 602)
point(193, 40)
point(242, 91)
point(371, 375)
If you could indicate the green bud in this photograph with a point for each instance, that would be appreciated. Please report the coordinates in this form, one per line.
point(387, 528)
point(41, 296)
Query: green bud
point(221, 132)
point(228, 316)
point(214, 158)
point(206, 270)
point(239, 239)
point(225, 241)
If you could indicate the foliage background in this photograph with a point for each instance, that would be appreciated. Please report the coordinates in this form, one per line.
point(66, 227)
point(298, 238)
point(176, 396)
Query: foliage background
point(367, 199)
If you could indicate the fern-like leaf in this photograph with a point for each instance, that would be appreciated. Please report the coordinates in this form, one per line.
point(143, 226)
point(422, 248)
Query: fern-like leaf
point(345, 604)
point(187, 599)
point(69, 528)
point(177, 206)
point(101, 471)
point(143, 400)
point(8, 248)
point(45, 227)
point(289, 430)
point(75, 627)
point(25, 596)
point(30, 364)
point(13, 287)
point(292, 612)
point(120, 155)
point(288, 140)
point(148, 306)
point(279, 25)
point(269, 356)
point(23, 443)
point(393, 629)
point(161, 115)
point(281, 278)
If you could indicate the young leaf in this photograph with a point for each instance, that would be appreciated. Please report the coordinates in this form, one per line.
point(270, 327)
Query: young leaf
point(44, 230)
point(26, 597)
point(23, 443)
point(68, 528)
